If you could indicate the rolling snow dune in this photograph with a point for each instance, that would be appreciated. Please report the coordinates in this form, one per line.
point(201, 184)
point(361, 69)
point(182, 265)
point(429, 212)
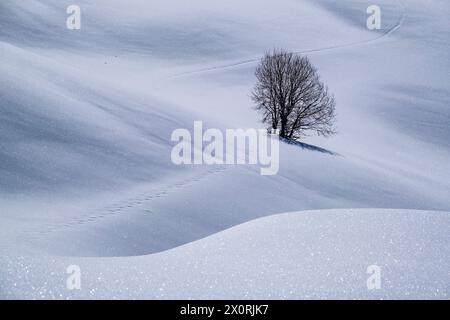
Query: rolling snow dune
point(308, 255)
point(86, 118)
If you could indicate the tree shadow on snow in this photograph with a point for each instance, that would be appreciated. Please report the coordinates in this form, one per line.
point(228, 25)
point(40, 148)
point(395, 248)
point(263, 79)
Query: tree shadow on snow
point(309, 147)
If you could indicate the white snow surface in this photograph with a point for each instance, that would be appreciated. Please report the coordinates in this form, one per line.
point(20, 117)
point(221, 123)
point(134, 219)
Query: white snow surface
point(86, 176)
point(302, 255)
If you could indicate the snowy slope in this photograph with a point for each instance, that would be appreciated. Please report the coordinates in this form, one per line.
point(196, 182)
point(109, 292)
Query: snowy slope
point(86, 118)
point(312, 254)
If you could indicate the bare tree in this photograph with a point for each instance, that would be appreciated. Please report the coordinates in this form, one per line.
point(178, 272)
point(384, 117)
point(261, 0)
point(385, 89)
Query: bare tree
point(291, 97)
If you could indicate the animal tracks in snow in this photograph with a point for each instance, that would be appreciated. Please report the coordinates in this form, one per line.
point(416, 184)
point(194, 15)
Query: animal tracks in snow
point(251, 61)
point(143, 200)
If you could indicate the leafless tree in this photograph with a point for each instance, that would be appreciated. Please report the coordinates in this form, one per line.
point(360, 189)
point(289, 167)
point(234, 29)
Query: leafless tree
point(291, 97)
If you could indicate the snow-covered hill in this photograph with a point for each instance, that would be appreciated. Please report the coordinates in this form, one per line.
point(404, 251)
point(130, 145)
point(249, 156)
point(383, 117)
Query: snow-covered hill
point(86, 118)
point(301, 255)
